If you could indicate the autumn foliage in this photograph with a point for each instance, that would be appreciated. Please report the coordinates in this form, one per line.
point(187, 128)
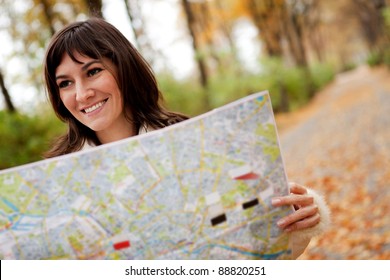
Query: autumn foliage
point(340, 146)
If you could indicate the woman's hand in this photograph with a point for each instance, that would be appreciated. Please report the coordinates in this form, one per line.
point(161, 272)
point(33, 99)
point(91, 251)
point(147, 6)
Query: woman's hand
point(306, 213)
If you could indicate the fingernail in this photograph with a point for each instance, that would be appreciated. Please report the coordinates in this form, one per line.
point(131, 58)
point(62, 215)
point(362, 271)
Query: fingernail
point(275, 201)
point(281, 222)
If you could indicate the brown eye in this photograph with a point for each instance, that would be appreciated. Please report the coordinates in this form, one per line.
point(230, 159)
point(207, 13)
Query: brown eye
point(93, 71)
point(64, 84)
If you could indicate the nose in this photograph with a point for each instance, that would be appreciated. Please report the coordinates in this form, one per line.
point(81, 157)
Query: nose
point(83, 91)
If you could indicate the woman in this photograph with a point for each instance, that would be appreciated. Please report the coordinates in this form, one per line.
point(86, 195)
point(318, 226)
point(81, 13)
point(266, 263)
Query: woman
point(105, 91)
point(81, 57)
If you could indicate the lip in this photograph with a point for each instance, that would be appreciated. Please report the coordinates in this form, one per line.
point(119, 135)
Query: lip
point(83, 109)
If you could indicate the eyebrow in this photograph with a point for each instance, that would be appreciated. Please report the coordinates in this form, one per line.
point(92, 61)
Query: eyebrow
point(83, 68)
point(86, 65)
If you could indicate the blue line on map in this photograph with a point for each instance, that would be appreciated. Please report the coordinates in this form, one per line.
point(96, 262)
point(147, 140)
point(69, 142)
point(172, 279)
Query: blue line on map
point(22, 228)
point(2, 213)
point(83, 213)
point(260, 98)
point(10, 204)
point(16, 224)
point(29, 225)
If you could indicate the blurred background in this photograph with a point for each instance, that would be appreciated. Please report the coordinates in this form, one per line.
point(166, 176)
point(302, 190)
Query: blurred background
point(324, 62)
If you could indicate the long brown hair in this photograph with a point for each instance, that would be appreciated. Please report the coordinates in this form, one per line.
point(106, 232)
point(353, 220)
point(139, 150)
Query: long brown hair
point(142, 98)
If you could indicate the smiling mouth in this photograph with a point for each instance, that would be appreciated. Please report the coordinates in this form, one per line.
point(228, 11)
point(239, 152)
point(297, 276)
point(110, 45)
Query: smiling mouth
point(94, 107)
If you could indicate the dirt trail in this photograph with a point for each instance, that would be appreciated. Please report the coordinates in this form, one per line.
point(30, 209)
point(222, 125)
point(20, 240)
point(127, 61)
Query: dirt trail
point(340, 146)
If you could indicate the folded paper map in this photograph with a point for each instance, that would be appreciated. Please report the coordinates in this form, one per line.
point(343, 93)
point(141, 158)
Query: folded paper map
point(200, 189)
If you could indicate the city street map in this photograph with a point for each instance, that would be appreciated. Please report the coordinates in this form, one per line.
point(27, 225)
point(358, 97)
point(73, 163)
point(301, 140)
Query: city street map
point(200, 189)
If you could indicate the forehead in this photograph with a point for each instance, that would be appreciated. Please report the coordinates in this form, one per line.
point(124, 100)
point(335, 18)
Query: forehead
point(76, 60)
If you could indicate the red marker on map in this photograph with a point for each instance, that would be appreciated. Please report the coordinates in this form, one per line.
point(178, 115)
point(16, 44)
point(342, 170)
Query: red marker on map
point(121, 245)
point(120, 242)
point(243, 173)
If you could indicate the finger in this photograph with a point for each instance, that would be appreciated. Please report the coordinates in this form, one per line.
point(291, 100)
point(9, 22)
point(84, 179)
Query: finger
point(297, 189)
point(301, 200)
point(305, 223)
point(302, 213)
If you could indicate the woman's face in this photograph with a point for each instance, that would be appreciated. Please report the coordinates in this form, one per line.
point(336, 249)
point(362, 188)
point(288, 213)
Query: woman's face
point(90, 92)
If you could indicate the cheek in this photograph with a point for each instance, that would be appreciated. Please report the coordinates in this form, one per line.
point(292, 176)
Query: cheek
point(67, 100)
point(117, 94)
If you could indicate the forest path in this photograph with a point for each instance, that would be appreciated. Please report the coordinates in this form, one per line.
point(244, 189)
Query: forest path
point(340, 146)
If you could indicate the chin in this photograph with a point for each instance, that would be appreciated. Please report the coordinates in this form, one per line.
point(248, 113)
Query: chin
point(96, 127)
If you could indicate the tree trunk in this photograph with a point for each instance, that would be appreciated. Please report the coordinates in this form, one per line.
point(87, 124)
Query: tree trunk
point(142, 41)
point(371, 20)
point(136, 32)
point(196, 46)
point(47, 11)
point(226, 29)
point(267, 18)
point(294, 35)
point(94, 8)
point(314, 31)
point(8, 102)
point(205, 19)
point(295, 20)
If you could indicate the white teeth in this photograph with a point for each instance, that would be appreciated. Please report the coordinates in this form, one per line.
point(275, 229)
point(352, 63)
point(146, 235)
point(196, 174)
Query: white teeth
point(94, 107)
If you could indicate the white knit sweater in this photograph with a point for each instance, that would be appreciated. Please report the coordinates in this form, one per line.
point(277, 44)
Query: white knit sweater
point(301, 238)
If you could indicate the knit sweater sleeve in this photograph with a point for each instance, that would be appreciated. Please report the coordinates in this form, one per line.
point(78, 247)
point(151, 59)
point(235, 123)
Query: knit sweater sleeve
point(300, 239)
